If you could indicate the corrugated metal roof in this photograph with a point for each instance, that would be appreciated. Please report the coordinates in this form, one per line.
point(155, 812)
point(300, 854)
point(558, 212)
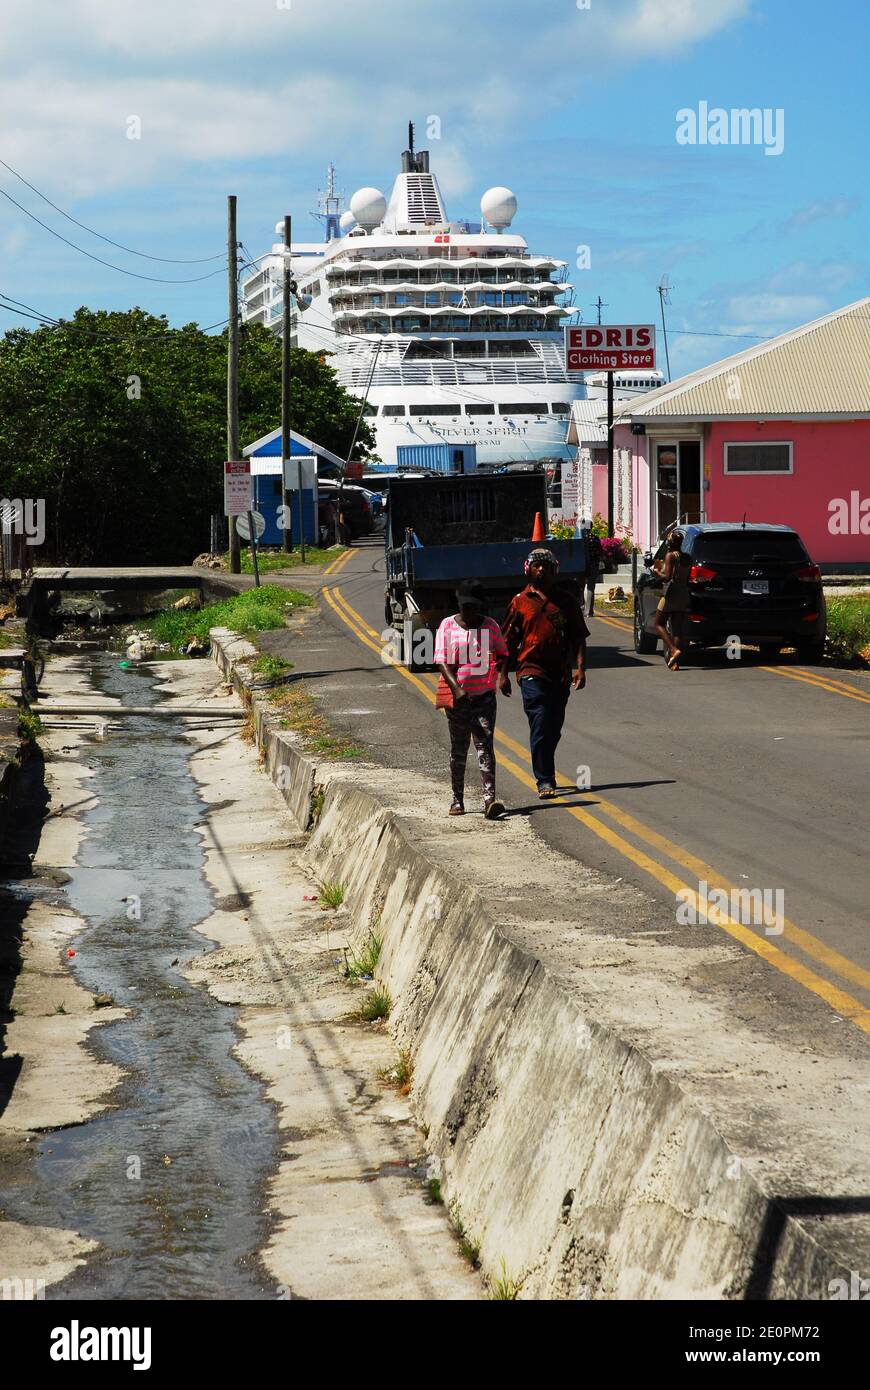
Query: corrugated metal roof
point(821, 368)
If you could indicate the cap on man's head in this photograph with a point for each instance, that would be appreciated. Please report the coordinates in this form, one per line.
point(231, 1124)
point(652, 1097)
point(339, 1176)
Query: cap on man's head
point(541, 556)
point(470, 594)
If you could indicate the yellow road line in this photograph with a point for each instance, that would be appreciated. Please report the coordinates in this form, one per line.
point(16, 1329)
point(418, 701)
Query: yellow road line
point(335, 565)
point(820, 679)
point(804, 940)
point(836, 998)
point(820, 682)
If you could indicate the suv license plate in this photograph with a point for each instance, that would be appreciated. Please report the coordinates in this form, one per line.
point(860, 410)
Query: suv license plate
point(756, 586)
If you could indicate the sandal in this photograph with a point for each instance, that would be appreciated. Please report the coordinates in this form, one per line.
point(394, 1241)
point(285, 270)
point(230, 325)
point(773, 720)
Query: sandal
point(674, 661)
point(456, 809)
point(546, 792)
point(493, 809)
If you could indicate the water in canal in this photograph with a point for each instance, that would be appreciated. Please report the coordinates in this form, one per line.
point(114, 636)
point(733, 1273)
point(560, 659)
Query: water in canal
point(171, 1182)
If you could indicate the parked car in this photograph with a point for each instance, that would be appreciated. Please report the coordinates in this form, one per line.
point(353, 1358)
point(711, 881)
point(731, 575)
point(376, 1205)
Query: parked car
point(755, 582)
point(355, 504)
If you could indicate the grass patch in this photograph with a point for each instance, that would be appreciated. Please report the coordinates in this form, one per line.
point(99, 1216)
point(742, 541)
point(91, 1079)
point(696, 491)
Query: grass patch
point(469, 1249)
point(298, 711)
point(274, 560)
point(401, 1076)
point(330, 894)
point(849, 628)
point(376, 1004)
point(272, 668)
point(256, 610)
point(505, 1286)
point(433, 1187)
point(363, 963)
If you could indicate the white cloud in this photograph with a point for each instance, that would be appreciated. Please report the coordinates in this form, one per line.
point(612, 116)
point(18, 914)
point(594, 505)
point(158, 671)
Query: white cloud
point(818, 212)
point(218, 79)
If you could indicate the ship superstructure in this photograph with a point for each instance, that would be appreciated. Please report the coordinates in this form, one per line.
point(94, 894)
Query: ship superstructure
point(451, 330)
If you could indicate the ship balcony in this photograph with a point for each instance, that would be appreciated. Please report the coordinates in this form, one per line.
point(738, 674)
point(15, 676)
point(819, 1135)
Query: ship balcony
point(381, 303)
point(499, 313)
point(440, 255)
point(361, 294)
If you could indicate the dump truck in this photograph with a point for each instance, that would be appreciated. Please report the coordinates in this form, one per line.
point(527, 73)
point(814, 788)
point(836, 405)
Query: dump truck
point(441, 530)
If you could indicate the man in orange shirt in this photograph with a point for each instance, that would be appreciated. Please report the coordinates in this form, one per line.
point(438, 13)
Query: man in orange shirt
point(546, 636)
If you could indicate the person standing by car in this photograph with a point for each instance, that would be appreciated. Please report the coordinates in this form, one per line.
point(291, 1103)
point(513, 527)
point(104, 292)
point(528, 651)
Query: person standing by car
point(546, 637)
point(674, 603)
point(596, 565)
point(468, 650)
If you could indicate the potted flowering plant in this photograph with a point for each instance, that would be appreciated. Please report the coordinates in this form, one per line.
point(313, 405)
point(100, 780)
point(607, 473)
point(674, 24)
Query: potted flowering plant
point(614, 553)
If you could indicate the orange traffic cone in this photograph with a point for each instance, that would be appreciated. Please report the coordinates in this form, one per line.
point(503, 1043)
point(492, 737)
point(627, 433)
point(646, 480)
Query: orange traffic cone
point(538, 533)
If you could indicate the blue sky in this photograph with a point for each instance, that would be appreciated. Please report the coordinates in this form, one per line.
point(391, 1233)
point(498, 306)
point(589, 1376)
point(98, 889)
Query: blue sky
point(574, 109)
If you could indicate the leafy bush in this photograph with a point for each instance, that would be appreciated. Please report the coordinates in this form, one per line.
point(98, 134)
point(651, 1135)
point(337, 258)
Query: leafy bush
point(849, 627)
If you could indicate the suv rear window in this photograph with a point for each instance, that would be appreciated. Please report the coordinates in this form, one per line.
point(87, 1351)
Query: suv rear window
point(739, 545)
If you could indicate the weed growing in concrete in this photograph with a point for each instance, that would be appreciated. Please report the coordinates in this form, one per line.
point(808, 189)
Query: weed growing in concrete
point(433, 1187)
point(469, 1249)
point(361, 964)
point(317, 801)
point(376, 1004)
point(298, 711)
point(60, 1008)
point(248, 729)
point(271, 668)
point(505, 1286)
point(29, 724)
point(401, 1075)
point(330, 894)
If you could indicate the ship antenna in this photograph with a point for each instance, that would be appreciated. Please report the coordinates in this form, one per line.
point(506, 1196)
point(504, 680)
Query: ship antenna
point(411, 136)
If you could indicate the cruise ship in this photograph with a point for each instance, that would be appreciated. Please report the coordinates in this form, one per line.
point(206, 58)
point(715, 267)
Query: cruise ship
point(451, 331)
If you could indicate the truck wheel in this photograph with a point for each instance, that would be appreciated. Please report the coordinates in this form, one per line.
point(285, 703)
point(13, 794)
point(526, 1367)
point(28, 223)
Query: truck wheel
point(644, 642)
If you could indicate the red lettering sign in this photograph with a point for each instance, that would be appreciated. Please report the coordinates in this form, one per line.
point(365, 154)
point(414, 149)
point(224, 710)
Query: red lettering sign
point(611, 347)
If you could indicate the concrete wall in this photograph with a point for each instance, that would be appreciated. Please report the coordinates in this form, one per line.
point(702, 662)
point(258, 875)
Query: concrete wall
point(581, 1167)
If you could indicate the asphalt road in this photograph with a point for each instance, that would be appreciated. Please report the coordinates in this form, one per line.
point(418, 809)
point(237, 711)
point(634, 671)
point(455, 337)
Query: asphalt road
point(733, 773)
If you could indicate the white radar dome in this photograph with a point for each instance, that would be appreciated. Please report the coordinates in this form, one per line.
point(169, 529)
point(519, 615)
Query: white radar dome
point(499, 207)
point(368, 206)
point(346, 221)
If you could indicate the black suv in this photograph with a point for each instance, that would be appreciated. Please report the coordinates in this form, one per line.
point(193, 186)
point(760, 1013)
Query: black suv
point(757, 583)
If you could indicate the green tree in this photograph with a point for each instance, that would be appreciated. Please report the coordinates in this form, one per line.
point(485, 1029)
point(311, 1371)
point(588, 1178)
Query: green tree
point(118, 422)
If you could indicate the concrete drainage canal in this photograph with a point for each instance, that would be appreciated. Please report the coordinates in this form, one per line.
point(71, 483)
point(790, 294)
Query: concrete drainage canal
point(170, 1180)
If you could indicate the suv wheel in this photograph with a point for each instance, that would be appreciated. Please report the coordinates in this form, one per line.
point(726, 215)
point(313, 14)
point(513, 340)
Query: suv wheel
point(770, 651)
point(811, 652)
point(644, 642)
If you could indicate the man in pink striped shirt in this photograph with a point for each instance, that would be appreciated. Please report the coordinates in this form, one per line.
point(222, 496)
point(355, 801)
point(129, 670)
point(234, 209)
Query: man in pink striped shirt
point(468, 650)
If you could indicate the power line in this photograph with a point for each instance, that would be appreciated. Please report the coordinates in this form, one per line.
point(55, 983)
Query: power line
point(171, 260)
point(67, 325)
point(155, 279)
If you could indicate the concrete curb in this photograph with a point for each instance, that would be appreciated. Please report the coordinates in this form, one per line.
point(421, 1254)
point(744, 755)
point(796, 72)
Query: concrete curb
point(583, 1170)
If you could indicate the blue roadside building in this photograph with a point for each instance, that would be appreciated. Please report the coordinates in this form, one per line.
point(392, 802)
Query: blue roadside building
point(265, 456)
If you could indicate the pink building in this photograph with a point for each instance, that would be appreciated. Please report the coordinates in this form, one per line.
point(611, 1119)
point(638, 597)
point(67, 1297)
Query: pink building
point(780, 433)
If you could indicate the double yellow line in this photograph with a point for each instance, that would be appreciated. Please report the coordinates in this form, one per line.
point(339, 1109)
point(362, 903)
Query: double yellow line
point(339, 562)
point(804, 941)
point(820, 679)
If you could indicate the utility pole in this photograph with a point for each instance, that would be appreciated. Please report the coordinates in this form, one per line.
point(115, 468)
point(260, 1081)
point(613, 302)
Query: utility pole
point(599, 305)
point(233, 368)
point(287, 539)
point(664, 289)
